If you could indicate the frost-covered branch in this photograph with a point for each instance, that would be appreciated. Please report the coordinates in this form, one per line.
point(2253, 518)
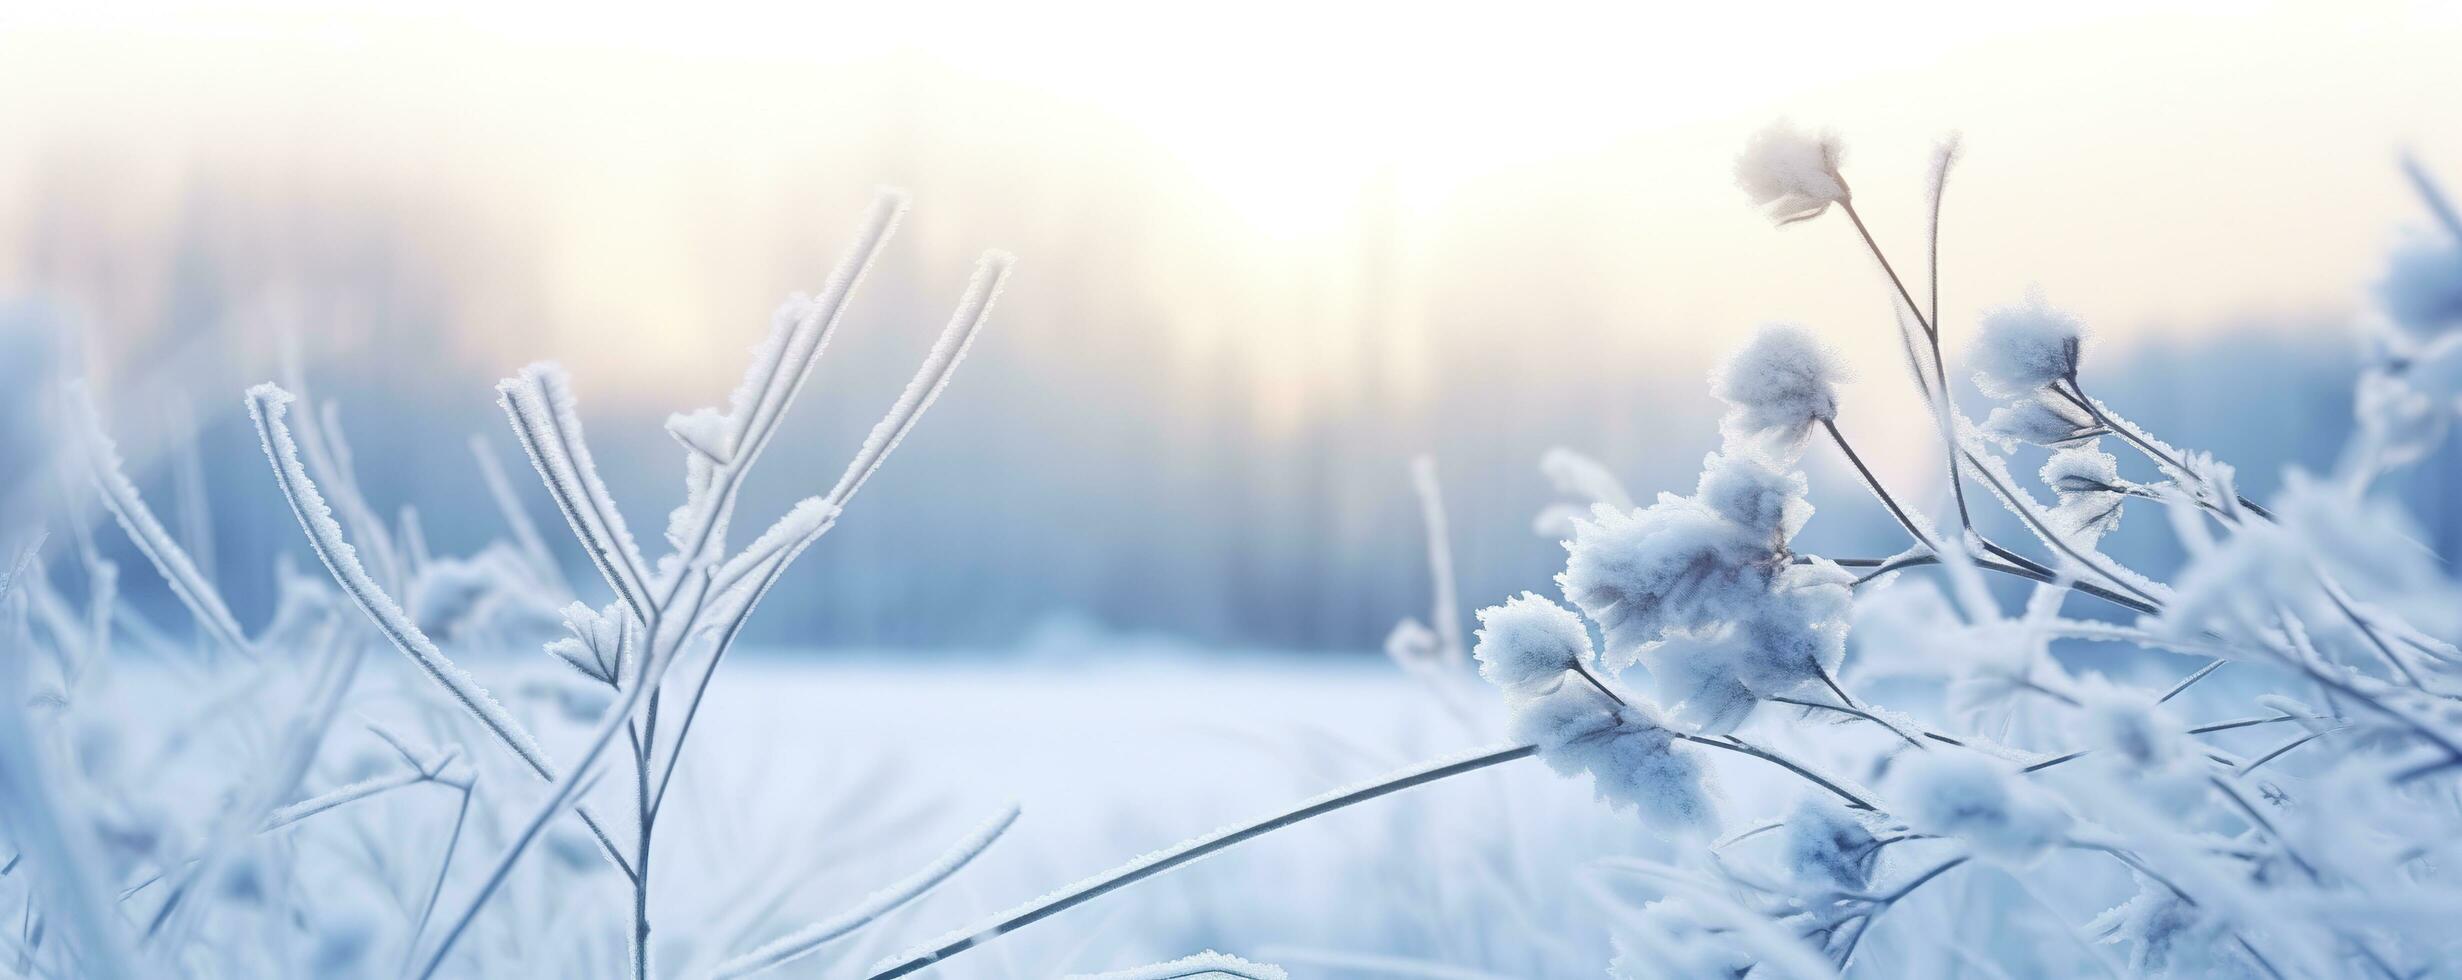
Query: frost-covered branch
point(267, 405)
point(102, 462)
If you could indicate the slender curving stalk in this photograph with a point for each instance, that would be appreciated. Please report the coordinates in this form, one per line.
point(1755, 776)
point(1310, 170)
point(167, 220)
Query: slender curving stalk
point(1873, 483)
point(1943, 409)
point(267, 405)
point(1188, 851)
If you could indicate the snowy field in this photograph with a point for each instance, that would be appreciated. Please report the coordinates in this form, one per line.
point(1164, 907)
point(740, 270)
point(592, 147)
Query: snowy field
point(1111, 757)
point(1148, 664)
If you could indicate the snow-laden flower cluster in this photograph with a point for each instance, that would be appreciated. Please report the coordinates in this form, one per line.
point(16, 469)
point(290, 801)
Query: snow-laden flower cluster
point(1791, 175)
point(1539, 653)
point(2290, 819)
point(1778, 386)
point(1705, 592)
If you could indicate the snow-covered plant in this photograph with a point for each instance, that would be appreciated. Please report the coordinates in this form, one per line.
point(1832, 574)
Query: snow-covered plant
point(2261, 783)
point(131, 890)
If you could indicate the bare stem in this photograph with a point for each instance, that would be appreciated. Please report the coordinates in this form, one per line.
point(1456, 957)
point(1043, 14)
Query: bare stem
point(1874, 484)
point(1140, 870)
point(1942, 406)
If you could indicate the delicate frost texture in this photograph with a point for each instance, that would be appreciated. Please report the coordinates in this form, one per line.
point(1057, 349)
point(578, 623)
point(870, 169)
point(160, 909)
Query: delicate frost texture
point(267, 404)
point(1697, 678)
point(2091, 493)
point(1777, 386)
point(2042, 422)
point(596, 647)
point(1632, 758)
point(1980, 801)
point(2020, 349)
point(1790, 175)
point(1674, 565)
point(2422, 288)
point(539, 402)
point(810, 518)
point(787, 948)
point(102, 457)
point(2167, 936)
point(991, 272)
point(1827, 847)
point(724, 446)
point(1744, 487)
point(1208, 965)
point(1529, 642)
point(1799, 632)
point(1714, 678)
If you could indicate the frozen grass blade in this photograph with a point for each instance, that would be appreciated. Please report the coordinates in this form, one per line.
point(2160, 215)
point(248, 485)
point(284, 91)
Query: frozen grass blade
point(991, 272)
point(539, 402)
point(267, 405)
point(726, 446)
point(102, 462)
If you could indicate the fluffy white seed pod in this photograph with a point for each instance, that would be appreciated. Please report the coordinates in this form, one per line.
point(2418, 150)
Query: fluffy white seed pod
point(2020, 349)
point(1777, 387)
point(1791, 175)
point(1529, 642)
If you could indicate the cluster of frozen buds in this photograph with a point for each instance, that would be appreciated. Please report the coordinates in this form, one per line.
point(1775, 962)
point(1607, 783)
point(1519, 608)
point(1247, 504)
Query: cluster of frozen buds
point(1540, 655)
point(1703, 590)
point(2026, 356)
point(2023, 356)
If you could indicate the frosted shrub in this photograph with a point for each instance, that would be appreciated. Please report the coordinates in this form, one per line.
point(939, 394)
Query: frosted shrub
point(125, 875)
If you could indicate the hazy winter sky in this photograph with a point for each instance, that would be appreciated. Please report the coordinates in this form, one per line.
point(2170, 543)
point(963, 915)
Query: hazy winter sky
point(612, 186)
